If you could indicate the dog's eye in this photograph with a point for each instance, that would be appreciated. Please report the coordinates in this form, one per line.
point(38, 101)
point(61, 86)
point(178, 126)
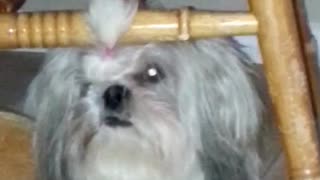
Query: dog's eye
point(84, 89)
point(151, 74)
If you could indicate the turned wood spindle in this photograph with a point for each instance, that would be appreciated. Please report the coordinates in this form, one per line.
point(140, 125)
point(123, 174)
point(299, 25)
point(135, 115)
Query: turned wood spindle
point(288, 85)
point(63, 29)
point(310, 52)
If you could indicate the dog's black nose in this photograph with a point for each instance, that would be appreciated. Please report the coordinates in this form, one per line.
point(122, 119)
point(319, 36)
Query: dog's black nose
point(115, 96)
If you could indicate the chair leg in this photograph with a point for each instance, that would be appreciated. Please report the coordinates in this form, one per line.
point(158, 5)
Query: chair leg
point(310, 49)
point(288, 86)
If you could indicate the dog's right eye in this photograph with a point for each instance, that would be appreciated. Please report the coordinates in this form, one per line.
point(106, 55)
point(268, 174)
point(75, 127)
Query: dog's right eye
point(84, 89)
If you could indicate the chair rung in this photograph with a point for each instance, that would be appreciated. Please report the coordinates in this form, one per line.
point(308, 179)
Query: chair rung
point(68, 28)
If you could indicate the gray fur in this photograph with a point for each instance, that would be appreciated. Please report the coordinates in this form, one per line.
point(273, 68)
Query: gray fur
point(201, 122)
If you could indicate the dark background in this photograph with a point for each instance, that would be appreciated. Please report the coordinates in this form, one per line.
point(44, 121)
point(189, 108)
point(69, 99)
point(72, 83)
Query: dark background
point(16, 71)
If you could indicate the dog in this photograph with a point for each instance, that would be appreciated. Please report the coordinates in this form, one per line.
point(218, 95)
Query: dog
point(161, 111)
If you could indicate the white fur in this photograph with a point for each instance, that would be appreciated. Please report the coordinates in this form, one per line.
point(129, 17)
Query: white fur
point(109, 19)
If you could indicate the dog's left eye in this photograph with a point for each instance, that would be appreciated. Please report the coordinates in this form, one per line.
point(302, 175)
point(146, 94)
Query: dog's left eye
point(151, 74)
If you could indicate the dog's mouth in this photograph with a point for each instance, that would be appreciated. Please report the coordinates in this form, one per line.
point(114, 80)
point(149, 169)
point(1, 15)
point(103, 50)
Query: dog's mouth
point(115, 121)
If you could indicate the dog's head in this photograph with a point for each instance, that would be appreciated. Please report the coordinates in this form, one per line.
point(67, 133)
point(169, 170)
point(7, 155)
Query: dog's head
point(156, 104)
point(150, 111)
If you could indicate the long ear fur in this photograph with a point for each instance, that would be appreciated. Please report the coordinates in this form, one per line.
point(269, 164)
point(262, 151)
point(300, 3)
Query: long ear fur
point(218, 99)
point(53, 82)
point(50, 95)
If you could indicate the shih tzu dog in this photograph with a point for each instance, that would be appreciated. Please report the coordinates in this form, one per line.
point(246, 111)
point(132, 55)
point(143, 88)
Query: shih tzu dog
point(160, 111)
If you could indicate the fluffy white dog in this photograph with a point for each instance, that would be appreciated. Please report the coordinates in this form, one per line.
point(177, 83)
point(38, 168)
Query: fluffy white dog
point(166, 111)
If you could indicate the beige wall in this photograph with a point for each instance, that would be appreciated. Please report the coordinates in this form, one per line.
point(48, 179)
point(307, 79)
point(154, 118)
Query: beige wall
point(312, 5)
point(78, 4)
point(38, 5)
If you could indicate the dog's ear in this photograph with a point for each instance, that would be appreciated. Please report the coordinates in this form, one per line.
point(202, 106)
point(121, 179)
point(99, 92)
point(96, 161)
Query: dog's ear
point(56, 86)
point(50, 95)
point(220, 107)
point(217, 96)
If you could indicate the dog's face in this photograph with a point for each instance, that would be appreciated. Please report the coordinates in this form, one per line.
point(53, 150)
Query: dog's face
point(128, 114)
point(142, 112)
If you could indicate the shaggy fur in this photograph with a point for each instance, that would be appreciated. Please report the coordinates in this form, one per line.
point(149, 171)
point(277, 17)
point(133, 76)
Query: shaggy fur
point(192, 111)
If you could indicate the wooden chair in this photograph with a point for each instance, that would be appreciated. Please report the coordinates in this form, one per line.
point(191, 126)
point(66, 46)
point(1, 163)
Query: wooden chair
point(285, 42)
